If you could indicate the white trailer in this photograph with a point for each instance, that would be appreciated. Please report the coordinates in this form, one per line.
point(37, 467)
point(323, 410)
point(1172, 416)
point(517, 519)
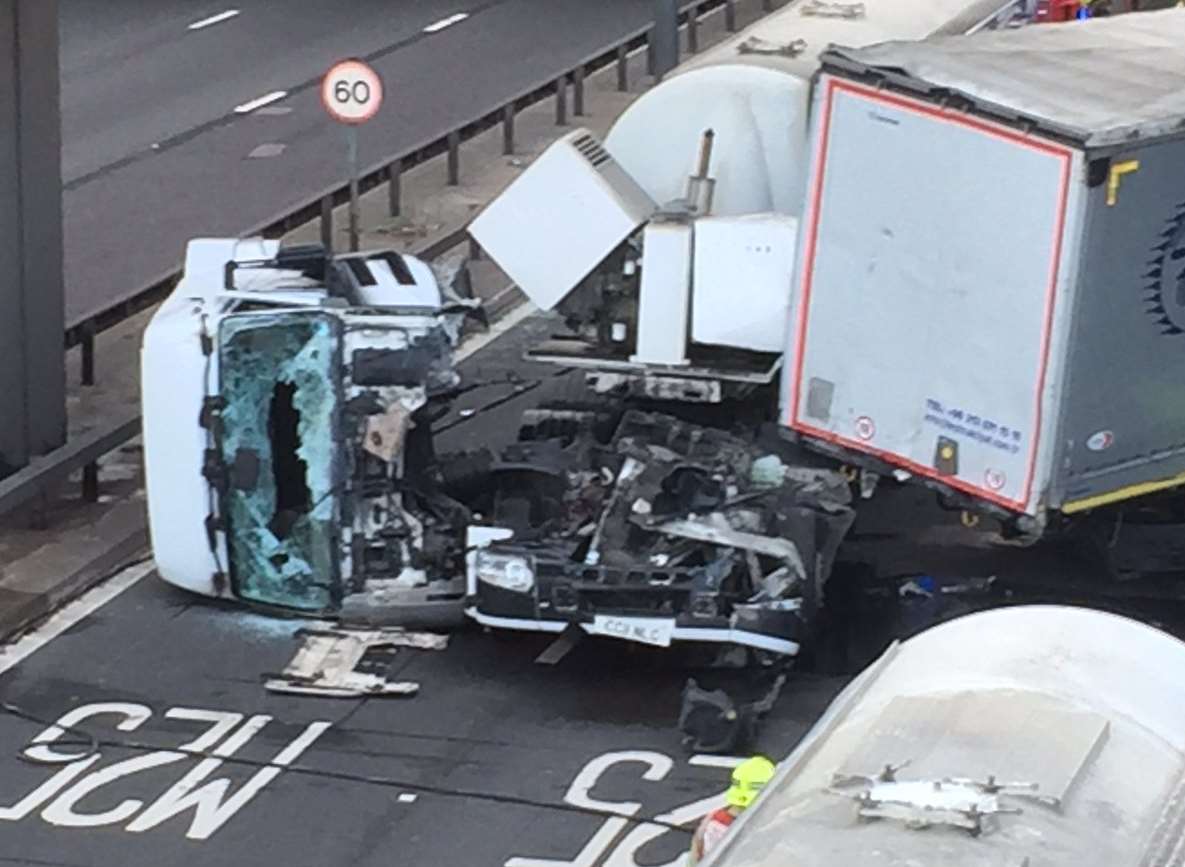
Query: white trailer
point(987, 293)
point(1032, 736)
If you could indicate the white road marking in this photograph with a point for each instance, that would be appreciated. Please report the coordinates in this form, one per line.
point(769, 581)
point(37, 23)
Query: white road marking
point(70, 614)
point(480, 341)
point(266, 99)
point(212, 802)
point(266, 151)
point(446, 22)
point(214, 19)
point(715, 761)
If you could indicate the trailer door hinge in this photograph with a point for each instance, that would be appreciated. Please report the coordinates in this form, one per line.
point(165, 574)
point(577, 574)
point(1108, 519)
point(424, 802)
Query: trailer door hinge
point(1117, 172)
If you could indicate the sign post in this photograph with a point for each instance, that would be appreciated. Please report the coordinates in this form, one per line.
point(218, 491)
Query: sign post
point(352, 93)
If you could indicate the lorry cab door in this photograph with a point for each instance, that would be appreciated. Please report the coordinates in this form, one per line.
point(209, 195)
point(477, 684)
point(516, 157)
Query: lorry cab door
point(280, 396)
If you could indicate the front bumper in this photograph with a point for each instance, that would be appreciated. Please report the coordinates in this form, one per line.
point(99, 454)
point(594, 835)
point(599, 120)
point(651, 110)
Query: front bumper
point(715, 635)
point(666, 605)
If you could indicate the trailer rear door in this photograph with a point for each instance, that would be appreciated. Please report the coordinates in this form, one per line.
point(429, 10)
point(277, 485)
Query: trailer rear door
point(926, 289)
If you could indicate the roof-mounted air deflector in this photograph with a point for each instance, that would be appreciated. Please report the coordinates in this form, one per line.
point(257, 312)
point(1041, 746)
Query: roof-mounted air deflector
point(309, 260)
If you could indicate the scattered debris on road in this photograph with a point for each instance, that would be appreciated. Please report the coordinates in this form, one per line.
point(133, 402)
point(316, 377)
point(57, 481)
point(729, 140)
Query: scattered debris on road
point(328, 662)
point(712, 721)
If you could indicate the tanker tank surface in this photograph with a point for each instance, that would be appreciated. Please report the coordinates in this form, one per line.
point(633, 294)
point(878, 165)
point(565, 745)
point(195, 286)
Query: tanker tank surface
point(753, 92)
point(1041, 736)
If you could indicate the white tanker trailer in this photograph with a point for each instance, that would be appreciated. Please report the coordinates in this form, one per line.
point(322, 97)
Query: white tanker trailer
point(1032, 736)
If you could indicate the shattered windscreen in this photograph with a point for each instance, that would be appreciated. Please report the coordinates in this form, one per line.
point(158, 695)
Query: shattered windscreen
point(279, 385)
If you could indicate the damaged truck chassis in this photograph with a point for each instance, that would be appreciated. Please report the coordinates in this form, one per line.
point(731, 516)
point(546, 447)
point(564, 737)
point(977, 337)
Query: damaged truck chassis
point(661, 530)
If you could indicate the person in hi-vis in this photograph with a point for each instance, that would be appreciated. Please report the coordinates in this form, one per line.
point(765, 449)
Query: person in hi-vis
point(748, 779)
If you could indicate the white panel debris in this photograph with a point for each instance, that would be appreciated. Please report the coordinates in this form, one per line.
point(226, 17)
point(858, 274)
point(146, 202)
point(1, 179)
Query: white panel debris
point(327, 663)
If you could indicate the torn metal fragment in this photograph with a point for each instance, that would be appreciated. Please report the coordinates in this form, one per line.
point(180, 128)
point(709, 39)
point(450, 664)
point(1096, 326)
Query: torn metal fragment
point(327, 663)
point(385, 433)
point(715, 529)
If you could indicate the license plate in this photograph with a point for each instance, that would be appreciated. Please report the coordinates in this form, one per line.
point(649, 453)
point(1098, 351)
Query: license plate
point(645, 630)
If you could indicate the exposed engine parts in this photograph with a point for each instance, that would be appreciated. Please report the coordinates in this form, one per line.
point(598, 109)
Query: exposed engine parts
point(694, 532)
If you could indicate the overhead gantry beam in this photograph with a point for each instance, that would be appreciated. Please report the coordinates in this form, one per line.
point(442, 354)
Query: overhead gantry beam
point(32, 364)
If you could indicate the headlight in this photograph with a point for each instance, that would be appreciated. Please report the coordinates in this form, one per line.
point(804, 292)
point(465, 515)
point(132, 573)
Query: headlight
point(508, 571)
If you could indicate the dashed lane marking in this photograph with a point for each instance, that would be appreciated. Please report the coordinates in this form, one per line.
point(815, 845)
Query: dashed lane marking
point(214, 19)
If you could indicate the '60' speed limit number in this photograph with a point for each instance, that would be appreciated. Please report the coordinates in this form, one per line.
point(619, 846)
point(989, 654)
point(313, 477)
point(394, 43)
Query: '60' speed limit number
point(352, 92)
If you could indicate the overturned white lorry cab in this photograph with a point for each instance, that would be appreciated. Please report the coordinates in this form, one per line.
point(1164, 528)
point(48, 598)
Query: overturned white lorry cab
point(287, 399)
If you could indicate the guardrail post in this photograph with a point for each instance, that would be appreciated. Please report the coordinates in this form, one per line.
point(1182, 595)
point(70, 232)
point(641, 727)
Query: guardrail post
point(623, 82)
point(693, 29)
point(664, 37)
point(561, 100)
point(395, 187)
point(578, 91)
point(730, 16)
point(354, 220)
point(650, 63)
point(327, 222)
point(90, 483)
point(454, 158)
point(87, 346)
point(508, 129)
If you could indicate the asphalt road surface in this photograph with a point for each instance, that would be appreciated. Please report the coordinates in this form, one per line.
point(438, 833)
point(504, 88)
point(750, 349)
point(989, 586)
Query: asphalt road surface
point(154, 151)
point(488, 725)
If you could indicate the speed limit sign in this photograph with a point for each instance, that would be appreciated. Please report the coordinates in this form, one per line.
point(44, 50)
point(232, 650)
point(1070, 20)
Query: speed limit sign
point(352, 92)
